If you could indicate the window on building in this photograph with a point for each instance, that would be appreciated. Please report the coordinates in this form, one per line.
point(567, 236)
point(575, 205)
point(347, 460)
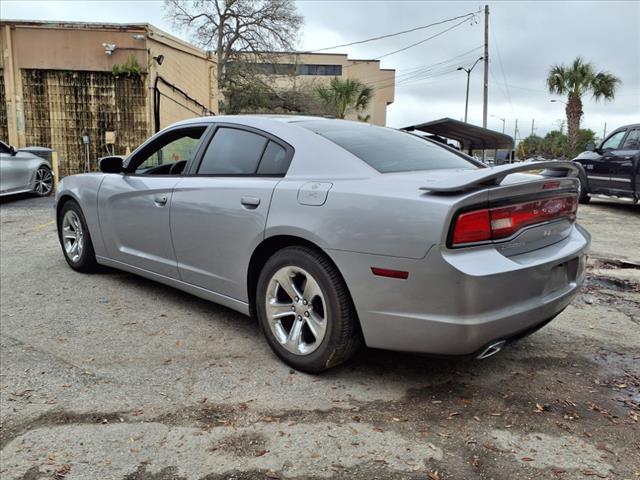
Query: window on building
point(315, 69)
point(291, 69)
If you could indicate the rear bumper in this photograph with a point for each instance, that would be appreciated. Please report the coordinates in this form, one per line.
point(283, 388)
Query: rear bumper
point(455, 302)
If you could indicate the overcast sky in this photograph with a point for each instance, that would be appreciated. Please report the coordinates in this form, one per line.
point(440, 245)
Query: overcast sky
point(525, 39)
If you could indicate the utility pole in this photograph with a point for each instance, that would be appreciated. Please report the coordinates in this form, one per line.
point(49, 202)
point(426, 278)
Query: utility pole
point(533, 127)
point(604, 133)
point(486, 67)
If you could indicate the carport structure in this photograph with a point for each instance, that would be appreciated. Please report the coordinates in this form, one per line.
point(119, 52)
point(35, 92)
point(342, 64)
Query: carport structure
point(471, 137)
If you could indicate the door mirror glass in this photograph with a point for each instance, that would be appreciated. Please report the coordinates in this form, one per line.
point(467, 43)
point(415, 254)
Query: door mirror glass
point(591, 147)
point(111, 164)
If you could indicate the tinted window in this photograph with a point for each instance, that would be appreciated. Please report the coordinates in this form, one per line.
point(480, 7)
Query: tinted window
point(173, 146)
point(275, 160)
point(632, 142)
point(385, 149)
point(232, 152)
point(613, 142)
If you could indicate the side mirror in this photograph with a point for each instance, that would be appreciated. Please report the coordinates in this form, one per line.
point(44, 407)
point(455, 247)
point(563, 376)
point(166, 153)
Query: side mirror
point(111, 164)
point(12, 150)
point(591, 147)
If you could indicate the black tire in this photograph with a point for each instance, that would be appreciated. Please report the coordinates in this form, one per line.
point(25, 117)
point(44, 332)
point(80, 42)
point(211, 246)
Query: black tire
point(584, 191)
point(342, 336)
point(86, 259)
point(44, 182)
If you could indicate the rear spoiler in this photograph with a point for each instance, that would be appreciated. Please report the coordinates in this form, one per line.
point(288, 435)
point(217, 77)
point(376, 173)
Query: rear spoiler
point(493, 176)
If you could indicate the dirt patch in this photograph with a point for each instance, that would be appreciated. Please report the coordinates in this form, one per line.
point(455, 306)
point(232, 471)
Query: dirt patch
point(244, 445)
point(359, 472)
point(622, 294)
point(54, 418)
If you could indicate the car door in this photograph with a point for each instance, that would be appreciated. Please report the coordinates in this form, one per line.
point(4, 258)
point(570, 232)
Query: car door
point(598, 170)
point(16, 169)
point(134, 206)
point(622, 162)
point(219, 210)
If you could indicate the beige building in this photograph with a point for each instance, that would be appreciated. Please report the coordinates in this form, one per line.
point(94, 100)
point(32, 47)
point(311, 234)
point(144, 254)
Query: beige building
point(62, 81)
point(116, 84)
point(308, 70)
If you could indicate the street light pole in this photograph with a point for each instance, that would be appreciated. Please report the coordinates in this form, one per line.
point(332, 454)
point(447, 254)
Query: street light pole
point(468, 70)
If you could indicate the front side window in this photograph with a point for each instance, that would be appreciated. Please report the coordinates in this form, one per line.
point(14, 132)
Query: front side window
point(385, 149)
point(233, 152)
point(172, 147)
point(613, 142)
point(632, 142)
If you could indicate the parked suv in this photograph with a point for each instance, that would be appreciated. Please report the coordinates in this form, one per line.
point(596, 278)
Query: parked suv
point(612, 168)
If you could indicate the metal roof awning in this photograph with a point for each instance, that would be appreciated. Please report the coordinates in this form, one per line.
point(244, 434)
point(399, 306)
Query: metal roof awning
point(471, 137)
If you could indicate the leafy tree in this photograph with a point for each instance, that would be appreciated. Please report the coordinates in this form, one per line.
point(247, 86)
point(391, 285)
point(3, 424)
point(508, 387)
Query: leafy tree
point(241, 33)
point(555, 144)
point(532, 145)
point(343, 96)
point(576, 80)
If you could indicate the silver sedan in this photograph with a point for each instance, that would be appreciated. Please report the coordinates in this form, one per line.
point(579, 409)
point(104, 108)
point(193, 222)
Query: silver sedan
point(23, 172)
point(335, 234)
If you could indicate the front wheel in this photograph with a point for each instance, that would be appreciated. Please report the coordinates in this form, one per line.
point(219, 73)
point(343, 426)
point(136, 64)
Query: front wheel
point(75, 239)
point(305, 310)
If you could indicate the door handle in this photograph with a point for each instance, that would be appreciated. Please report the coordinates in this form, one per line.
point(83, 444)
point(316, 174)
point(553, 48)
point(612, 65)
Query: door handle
point(250, 202)
point(160, 200)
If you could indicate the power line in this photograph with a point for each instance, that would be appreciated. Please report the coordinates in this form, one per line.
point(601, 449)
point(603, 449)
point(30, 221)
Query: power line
point(423, 69)
point(471, 15)
point(421, 41)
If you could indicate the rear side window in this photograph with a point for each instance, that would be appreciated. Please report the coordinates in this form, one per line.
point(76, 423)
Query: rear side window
point(232, 152)
point(275, 160)
point(632, 142)
point(385, 149)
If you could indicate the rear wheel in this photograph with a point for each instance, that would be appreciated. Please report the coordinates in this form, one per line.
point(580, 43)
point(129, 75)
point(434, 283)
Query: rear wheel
point(305, 310)
point(44, 182)
point(75, 239)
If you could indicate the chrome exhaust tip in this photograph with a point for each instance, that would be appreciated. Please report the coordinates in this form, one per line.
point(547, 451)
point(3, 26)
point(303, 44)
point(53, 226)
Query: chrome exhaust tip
point(491, 350)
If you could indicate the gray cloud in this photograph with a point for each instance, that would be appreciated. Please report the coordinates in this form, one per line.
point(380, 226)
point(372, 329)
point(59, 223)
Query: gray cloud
point(525, 39)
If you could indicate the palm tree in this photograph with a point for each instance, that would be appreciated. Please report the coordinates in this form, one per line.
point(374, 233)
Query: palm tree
point(342, 96)
point(574, 81)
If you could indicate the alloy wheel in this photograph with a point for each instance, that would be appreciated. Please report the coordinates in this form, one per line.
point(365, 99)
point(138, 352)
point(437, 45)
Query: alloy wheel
point(296, 310)
point(44, 181)
point(72, 236)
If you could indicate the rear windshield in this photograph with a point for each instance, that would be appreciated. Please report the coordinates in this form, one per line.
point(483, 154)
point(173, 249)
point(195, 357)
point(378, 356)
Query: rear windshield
point(385, 149)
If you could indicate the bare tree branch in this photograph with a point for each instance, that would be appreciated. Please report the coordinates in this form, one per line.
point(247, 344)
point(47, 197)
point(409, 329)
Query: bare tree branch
point(238, 31)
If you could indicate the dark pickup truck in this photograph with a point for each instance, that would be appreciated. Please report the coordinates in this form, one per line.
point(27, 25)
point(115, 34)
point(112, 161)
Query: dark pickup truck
point(613, 167)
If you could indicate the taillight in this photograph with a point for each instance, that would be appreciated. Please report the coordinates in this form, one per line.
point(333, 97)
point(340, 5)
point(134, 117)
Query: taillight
point(502, 222)
point(472, 227)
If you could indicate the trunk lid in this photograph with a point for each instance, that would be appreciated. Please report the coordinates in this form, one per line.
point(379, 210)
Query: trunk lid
point(541, 203)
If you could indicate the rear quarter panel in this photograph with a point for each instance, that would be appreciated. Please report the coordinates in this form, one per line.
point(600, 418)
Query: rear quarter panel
point(379, 215)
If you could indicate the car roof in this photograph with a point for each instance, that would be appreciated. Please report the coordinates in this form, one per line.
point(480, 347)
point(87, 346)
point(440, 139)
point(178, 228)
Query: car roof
point(241, 118)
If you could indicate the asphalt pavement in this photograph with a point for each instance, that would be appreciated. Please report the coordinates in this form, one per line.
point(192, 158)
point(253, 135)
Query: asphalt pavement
point(111, 376)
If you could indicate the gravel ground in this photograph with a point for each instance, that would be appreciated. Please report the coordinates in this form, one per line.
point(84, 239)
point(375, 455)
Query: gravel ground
point(110, 376)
